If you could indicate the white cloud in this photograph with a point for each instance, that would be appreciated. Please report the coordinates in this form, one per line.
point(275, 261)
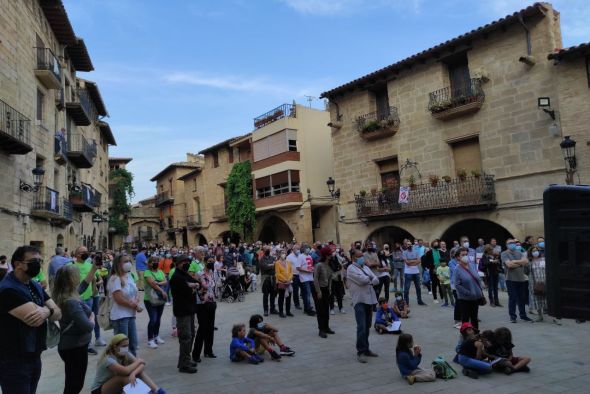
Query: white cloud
point(238, 83)
point(337, 7)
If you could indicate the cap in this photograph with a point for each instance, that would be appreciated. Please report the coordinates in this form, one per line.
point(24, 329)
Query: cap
point(465, 326)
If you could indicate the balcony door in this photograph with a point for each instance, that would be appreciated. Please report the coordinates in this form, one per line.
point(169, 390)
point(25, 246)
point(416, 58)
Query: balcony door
point(382, 102)
point(459, 75)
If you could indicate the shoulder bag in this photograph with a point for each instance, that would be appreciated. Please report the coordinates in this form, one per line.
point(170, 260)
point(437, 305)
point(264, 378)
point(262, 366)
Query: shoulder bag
point(482, 301)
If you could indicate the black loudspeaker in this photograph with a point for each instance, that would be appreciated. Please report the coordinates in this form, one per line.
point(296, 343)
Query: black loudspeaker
point(567, 250)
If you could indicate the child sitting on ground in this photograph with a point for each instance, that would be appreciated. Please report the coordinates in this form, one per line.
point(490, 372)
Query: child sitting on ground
point(242, 347)
point(385, 317)
point(408, 357)
point(471, 353)
point(503, 348)
point(400, 306)
point(265, 336)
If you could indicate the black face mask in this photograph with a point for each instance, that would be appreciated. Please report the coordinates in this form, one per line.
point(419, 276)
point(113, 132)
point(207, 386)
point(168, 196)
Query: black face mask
point(210, 266)
point(184, 267)
point(84, 256)
point(33, 268)
point(155, 266)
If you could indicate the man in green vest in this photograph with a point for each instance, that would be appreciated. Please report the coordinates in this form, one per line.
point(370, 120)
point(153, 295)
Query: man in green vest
point(83, 263)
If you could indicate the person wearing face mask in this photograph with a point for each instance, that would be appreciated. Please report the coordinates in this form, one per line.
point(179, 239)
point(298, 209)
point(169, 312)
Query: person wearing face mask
point(411, 272)
point(205, 310)
point(491, 264)
point(268, 279)
point(284, 280)
point(24, 310)
point(431, 261)
point(514, 262)
point(538, 297)
point(322, 281)
point(541, 245)
point(126, 303)
point(468, 287)
point(154, 299)
point(360, 281)
point(117, 367)
point(84, 265)
point(296, 259)
point(183, 287)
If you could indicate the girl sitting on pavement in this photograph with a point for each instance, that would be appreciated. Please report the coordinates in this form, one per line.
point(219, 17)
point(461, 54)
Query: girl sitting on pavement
point(503, 348)
point(400, 306)
point(408, 357)
point(265, 336)
point(385, 317)
point(117, 367)
point(242, 347)
point(472, 355)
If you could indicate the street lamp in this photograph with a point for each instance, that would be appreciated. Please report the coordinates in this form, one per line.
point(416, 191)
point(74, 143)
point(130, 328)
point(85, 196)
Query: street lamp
point(38, 174)
point(568, 149)
point(331, 188)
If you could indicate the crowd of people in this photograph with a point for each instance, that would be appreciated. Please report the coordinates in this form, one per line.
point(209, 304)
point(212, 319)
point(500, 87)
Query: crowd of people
point(90, 292)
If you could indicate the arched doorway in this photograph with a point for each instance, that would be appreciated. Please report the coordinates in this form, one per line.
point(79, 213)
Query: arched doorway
point(389, 235)
point(60, 241)
point(200, 239)
point(275, 229)
point(474, 229)
point(228, 235)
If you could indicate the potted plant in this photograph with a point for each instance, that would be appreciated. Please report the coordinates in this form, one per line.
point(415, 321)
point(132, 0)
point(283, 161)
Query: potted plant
point(433, 178)
point(76, 197)
point(374, 191)
point(412, 181)
point(370, 126)
point(476, 173)
point(461, 174)
point(363, 193)
point(447, 178)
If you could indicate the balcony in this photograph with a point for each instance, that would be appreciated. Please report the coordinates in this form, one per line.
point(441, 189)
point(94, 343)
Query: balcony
point(48, 69)
point(193, 221)
point(218, 211)
point(84, 200)
point(80, 152)
point(81, 110)
point(456, 195)
point(15, 131)
point(449, 103)
point(276, 159)
point(378, 124)
point(164, 198)
point(288, 199)
point(46, 204)
point(280, 112)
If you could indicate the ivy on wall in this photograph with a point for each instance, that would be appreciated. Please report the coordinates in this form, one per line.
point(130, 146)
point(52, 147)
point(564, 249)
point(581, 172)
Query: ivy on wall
point(122, 193)
point(241, 211)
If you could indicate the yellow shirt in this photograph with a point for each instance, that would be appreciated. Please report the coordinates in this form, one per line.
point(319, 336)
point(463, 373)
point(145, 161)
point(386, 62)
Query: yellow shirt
point(283, 271)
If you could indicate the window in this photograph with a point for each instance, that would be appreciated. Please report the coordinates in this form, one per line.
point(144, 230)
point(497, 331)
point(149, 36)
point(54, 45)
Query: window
point(274, 144)
point(293, 145)
point(466, 155)
point(40, 105)
point(458, 74)
point(195, 184)
point(389, 173)
point(170, 187)
point(276, 184)
point(215, 160)
point(263, 188)
point(381, 101)
point(230, 152)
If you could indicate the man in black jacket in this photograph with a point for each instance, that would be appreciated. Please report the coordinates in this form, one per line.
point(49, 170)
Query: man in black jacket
point(183, 287)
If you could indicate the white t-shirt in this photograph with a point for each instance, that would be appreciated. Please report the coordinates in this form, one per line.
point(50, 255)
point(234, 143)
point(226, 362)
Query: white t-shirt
point(305, 262)
point(294, 260)
point(129, 291)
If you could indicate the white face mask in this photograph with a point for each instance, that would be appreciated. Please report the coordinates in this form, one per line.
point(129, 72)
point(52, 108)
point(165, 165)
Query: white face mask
point(124, 350)
point(465, 259)
point(536, 253)
point(127, 266)
point(283, 256)
point(465, 244)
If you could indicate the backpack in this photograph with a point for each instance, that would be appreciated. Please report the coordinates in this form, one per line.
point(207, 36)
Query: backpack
point(443, 369)
point(104, 313)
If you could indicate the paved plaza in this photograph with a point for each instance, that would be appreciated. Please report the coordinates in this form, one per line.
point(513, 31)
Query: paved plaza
point(561, 362)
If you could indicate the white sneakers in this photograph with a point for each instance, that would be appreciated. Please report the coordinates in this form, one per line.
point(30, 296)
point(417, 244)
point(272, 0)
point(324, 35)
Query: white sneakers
point(159, 340)
point(457, 325)
point(152, 344)
point(436, 301)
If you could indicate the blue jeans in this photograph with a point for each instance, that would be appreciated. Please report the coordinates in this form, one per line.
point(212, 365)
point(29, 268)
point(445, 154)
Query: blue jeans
point(502, 281)
point(408, 279)
point(127, 327)
point(155, 316)
point(395, 274)
point(306, 294)
point(363, 313)
point(19, 375)
point(90, 304)
point(477, 365)
point(517, 295)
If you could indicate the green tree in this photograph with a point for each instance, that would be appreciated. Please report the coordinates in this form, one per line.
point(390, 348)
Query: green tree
point(241, 212)
point(122, 193)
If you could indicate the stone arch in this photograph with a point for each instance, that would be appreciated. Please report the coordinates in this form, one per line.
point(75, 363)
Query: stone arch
point(233, 237)
point(60, 240)
point(474, 229)
point(200, 239)
point(275, 229)
point(389, 235)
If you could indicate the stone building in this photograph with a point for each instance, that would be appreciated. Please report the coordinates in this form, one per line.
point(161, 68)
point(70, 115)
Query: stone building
point(291, 163)
point(170, 200)
point(53, 139)
point(459, 126)
point(144, 222)
point(115, 163)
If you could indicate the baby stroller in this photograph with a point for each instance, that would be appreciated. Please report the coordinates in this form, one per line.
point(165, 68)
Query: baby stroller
point(232, 289)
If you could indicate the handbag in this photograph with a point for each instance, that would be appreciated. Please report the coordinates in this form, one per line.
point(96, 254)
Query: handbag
point(155, 298)
point(539, 289)
point(481, 301)
point(104, 313)
point(53, 334)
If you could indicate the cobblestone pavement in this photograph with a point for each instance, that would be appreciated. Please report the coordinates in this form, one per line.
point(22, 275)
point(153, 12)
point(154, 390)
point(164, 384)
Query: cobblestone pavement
point(561, 360)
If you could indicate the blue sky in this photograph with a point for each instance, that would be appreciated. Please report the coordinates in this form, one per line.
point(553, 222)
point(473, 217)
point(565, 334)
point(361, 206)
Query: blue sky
point(178, 76)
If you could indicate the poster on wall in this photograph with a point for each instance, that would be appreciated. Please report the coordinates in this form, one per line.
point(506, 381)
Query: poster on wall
point(404, 194)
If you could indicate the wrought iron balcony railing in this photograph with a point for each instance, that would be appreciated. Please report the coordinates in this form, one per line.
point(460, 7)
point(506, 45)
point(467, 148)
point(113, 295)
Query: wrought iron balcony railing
point(84, 200)
point(80, 108)
point(80, 152)
point(164, 198)
point(96, 198)
point(193, 220)
point(48, 68)
point(466, 194)
point(46, 203)
point(378, 124)
point(450, 102)
point(280, 112)
point(67, 211)
point(15, 131)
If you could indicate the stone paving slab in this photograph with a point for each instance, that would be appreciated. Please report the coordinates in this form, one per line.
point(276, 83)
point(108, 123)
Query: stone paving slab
point(561, 357)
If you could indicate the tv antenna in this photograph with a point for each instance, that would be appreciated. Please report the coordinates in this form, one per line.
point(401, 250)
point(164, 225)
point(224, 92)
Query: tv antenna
point(310, 99)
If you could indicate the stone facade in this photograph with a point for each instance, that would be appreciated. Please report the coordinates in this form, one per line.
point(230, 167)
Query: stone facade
point(144, 222)
point(39, 80)
point(512, 137)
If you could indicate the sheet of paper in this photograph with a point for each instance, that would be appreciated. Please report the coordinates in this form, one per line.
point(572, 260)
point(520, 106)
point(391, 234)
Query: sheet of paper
point(394, 326)
point(139, 388)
